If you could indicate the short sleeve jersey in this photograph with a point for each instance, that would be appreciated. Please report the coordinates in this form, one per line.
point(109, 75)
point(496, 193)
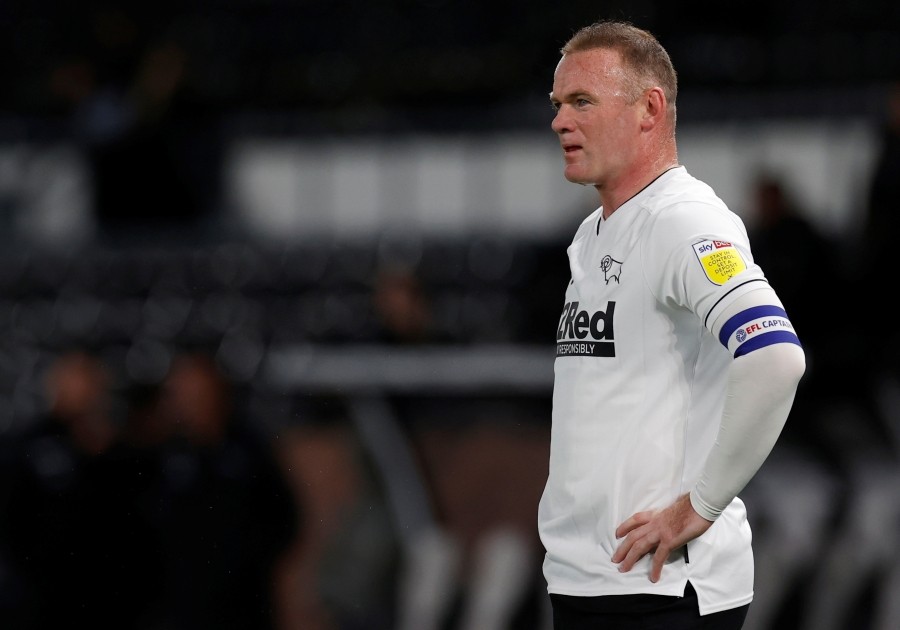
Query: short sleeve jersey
point(639, 388)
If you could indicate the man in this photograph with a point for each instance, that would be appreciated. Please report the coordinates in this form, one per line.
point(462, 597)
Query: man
point(676, 363)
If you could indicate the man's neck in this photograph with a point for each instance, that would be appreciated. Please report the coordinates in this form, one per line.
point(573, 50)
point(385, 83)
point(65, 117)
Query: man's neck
point(617, 193)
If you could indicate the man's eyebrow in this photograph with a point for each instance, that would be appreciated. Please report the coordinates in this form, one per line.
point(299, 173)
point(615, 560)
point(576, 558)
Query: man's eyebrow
point(569, 97)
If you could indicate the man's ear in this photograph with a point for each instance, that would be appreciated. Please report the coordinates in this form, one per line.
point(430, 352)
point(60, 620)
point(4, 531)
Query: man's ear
point(654, 108)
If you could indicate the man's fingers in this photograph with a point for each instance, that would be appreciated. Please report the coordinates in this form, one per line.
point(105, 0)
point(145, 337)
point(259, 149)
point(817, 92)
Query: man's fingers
point(659, 559)
point(658, 533)
point(632, 550)
point(624, 549)
point(625, 528)
point(620, 553)
point(632, 522)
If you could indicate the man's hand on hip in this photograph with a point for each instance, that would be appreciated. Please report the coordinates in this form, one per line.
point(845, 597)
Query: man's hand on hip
point(659, 532)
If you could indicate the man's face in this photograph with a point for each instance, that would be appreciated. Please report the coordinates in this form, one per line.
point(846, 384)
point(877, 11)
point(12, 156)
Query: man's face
point(597, 124)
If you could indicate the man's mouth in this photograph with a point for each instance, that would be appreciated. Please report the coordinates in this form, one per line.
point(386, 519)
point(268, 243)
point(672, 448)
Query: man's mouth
point(570, 148)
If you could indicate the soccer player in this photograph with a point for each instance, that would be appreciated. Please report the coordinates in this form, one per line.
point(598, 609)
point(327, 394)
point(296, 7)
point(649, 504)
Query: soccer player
point(676, 363)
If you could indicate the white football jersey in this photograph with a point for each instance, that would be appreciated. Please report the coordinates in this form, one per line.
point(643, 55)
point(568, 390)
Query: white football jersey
point(640, 383)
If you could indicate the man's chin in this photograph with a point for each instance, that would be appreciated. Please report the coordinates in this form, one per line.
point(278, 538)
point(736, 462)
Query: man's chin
point(578, 178)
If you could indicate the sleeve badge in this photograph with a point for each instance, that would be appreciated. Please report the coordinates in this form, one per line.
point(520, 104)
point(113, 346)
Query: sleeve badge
point(720, 260)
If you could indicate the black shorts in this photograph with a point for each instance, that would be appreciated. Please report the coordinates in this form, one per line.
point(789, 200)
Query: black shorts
point(641, 612)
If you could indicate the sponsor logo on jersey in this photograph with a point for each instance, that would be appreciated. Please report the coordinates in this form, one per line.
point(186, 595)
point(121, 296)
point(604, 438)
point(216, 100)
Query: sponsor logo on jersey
point(585, 333)
point(720, 260)
point(612, 269)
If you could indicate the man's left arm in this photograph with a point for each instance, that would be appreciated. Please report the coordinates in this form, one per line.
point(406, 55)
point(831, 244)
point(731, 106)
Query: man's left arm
point(762, 381)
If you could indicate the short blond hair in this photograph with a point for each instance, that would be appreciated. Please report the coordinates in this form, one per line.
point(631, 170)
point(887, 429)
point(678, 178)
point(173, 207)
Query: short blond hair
point(646, 62)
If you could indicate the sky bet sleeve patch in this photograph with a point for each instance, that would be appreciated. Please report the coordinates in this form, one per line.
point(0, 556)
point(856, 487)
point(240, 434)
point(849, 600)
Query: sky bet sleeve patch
point(720, 260)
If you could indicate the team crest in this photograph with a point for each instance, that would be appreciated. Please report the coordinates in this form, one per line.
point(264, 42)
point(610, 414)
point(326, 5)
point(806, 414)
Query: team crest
point(720, 260)
point(612, 269)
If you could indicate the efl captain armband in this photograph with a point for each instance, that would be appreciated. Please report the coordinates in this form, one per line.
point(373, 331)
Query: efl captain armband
point(756, 328)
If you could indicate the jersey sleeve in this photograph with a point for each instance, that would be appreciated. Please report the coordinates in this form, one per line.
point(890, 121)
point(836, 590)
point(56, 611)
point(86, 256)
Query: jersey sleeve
point(701, 260)
point(698, 257)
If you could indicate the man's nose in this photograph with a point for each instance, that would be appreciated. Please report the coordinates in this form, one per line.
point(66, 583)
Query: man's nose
point(561, 121)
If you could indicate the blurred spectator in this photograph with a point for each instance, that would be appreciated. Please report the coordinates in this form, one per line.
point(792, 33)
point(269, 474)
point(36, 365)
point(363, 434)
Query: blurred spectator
point(800, 474)
point(801, 263)
point(881, 229)
point(884, 199)
point(339, 572)
point(224, 512)
point(76, 539)
point(835, 463)
point(402, 308)
point(858, 582)
point(474, 562)
point(833, 419)
point(153, 148)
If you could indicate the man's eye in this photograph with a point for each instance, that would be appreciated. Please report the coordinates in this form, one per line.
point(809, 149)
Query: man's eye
point(582, 102)
point(554, 106)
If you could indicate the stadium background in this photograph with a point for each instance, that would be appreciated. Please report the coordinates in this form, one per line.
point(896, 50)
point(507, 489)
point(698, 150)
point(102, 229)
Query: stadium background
point(276, 184)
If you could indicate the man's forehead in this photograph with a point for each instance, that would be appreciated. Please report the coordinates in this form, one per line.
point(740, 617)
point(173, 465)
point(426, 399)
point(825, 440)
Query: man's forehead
point(585, 69)
point(591, 61)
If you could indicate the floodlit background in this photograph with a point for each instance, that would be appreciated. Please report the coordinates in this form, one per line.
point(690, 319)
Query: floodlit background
point(279, 284)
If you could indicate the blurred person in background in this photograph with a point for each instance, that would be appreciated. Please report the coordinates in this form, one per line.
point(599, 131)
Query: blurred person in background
point(338, 572)
point(77, 541)
point(803, 474)
point(222, 507)
point(881, 228)
point(474, 565)
point(676, 363)
point(800, 261)
point(860, 578)
point(152, 145)
point(403, 308)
